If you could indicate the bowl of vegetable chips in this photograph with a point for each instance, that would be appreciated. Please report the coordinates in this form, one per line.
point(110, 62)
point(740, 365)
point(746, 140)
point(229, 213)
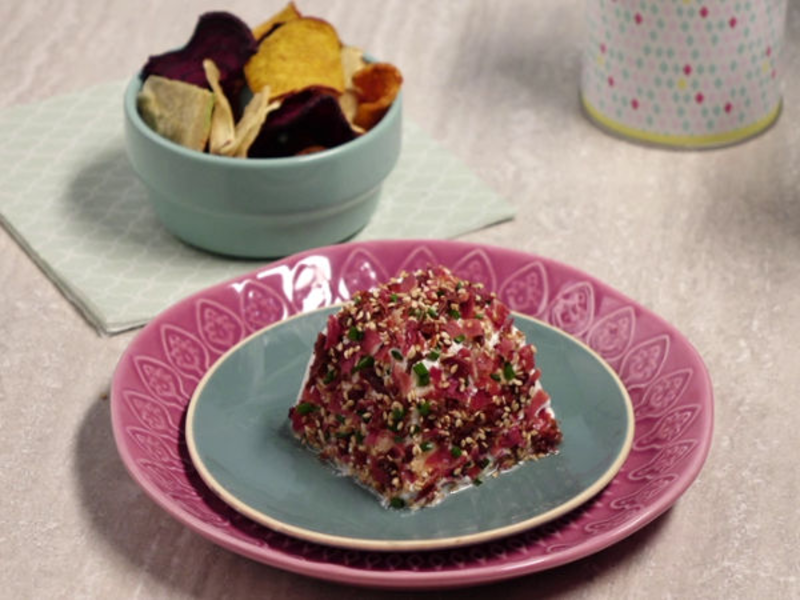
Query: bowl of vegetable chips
point(267, 141)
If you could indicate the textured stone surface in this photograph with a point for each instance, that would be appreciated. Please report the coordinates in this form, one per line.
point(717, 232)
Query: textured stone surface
point(710, 241)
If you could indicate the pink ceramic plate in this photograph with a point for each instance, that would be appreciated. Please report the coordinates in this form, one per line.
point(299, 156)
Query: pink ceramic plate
point(664, 375)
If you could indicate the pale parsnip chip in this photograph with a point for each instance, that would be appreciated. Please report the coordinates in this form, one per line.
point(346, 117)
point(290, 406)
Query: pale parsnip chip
point(248, 127)
point(352, 61)
point(222, 125)
point(348, 102)
point(176, 110)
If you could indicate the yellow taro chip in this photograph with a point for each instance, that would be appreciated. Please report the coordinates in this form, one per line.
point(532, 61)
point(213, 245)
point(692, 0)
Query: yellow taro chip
point(376, 86)
point(289, 13)
point(301, 53)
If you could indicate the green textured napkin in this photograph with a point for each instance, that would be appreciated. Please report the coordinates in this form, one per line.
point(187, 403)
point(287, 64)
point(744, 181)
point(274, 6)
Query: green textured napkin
point(71, 200)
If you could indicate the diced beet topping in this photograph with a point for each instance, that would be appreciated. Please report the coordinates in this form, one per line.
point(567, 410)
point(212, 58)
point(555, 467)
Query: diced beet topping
point(505, 348)
point(480, 400)
point(512, 437)
point(334, 332)
point(537, 402)
point(526, 358)
point(473, 328)
point(453, 329)
point(407, 283)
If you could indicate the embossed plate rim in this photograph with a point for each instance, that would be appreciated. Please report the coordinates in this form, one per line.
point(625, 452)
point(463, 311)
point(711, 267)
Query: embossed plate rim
point(645, 499)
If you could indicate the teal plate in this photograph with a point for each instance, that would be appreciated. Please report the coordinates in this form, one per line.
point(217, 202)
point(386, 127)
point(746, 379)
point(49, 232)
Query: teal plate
point(240, 441)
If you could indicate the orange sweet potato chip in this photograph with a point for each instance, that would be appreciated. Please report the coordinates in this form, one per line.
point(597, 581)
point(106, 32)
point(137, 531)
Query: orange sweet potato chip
point(376, 86)
point(289, 13)
point(300, 53)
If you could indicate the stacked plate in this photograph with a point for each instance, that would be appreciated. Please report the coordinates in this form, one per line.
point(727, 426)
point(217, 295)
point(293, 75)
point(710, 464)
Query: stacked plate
point(200, 401)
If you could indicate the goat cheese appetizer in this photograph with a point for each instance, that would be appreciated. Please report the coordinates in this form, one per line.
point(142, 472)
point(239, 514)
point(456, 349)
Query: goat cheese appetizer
point(422, 386)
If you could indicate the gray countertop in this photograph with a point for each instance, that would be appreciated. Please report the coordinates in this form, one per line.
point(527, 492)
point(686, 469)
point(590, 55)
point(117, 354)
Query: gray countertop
point(708, 240)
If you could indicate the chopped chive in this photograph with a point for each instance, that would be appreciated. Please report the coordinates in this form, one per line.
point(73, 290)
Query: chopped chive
point(397, 502)
point(398, 413)
point(329, 376)
point(343, 434)
point(460, 338)
point(425, 446)
point(455, 314)
point(399, 439)
point(397, 354)
point(355, 334)
point(459, 285)
point(508, 371)
point(432, 313)
point(305, 408)
point(479, 316)
point(423, 376)
point(420, 369)
point(340, 418)
point(495, 376)
point(433, 355)
point(414, 429)
point(365, 362)
point(483, 463)
point(393, 297)
point(424, 408)
point(366, 418)
point(477, 481)
point(455, 451)
point(359, 437)
point(440, 293)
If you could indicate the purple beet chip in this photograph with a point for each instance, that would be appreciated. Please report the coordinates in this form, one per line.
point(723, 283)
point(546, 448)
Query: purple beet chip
point(220, 36)
point(311, 117)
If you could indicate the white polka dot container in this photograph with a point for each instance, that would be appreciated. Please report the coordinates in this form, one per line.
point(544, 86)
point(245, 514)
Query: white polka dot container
point(683, 73)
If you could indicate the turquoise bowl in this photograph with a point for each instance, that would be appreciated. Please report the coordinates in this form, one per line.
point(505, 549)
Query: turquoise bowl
point(265, 207)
